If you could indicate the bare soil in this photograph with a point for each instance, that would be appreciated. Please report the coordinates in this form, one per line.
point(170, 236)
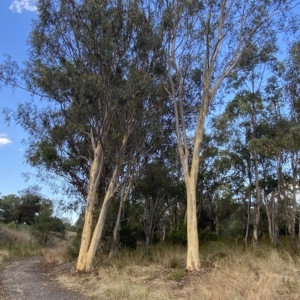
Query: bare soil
point(32, 279)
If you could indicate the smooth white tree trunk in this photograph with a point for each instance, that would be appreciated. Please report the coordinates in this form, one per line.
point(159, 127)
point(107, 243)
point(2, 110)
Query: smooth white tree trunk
point(193, 259)
point(91, 200)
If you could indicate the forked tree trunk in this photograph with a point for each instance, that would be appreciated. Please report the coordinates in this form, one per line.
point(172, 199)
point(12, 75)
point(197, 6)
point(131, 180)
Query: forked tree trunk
point(90, 239)
point(86, 232)
point(91, 249)
point(97, 234)
point(91, 199)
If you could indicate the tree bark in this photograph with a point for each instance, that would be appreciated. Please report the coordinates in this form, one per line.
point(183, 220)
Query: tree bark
point(257, 206)
point(268, 205)
point(101, 221)
point(292, 208)
point(249, 205)
point(91, 200)
point(193, 259)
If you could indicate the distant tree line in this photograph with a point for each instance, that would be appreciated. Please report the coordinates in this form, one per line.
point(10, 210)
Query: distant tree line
point(32, 209)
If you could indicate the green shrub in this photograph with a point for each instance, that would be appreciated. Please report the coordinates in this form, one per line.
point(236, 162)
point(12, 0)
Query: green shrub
point(177, 274)
point(128, 238)
point(178, 236)
point(207, 235)
point(45, 225)
point(17, 250)
point(12, 225)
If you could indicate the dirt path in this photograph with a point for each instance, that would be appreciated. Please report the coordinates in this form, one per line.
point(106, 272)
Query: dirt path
point(28, 280)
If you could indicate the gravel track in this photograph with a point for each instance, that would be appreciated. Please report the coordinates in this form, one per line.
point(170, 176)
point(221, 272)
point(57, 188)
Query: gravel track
point(28, 280)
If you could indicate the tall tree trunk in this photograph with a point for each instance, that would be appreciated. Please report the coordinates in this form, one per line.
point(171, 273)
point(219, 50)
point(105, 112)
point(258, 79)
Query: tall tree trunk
point(101, 221)
point(94, 180)
point(275, 218)
point(268, 205)
point(292, 208)
point(257, 205)
point(249, 205)
point(90, 240)
point(299, 223)
point(290, 204)
point(193, 260)
point(290, 217)
point(272, 219)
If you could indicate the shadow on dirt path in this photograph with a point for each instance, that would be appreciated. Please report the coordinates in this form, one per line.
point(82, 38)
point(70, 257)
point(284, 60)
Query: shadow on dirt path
point(26, 280)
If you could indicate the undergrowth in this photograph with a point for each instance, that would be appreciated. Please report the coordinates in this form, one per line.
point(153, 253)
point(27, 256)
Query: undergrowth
point(228, 271)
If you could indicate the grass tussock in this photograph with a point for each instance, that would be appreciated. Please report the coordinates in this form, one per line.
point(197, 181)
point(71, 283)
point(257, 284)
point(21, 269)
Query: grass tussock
point(247, 276)
point(55, 255)
point(4, 254)
point(158, 273)
point(56, 252)
point(19, 235)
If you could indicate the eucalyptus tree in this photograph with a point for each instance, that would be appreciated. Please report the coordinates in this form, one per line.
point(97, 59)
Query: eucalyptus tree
point(9, 208)
point(29, 205)
point(278, 146)
point(99, 65)
point(206, 40)
point(292, 145)
point(21, 208)
point(216, 178)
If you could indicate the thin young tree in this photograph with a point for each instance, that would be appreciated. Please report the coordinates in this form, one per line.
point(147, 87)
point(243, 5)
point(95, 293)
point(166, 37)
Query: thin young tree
point(206, 40)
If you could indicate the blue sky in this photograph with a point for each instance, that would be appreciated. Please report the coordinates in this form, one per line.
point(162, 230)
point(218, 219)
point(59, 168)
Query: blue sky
point(15, 25)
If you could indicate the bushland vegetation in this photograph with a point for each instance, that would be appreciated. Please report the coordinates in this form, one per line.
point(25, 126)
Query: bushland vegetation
point(169, 123)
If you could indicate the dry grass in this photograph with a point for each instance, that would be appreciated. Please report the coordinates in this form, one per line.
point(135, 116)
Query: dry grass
point(228, 273)
point(20, 235)
point(253, 275)
point(158, 273)
point(16, 243)
point(4, 254)
point(55, 253)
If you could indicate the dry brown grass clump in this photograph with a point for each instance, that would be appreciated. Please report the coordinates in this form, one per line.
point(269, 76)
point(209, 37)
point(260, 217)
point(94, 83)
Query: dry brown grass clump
point(56, 251)
point(16, 243)
point(55, 254)
point(229, 273)
point(263, 274)
point(4, 254)
point(8, 235)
